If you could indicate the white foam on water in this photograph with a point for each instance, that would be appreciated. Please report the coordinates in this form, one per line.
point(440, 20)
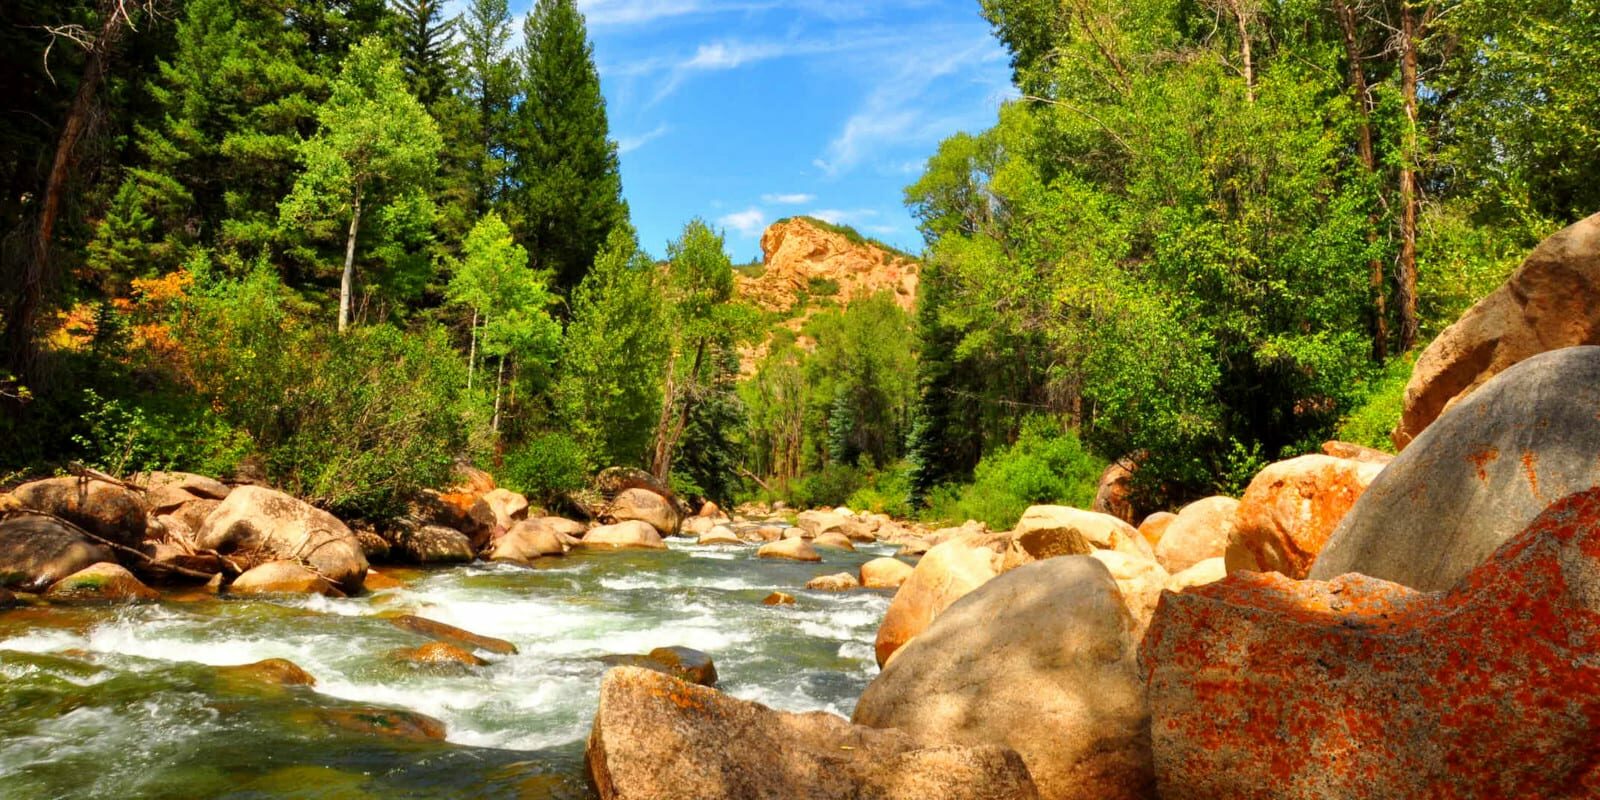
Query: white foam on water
point(43, 641)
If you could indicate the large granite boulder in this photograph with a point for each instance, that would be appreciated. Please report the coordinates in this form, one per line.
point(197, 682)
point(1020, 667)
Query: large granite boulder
point(796, 549)
point(165, 492)
point(1200, 532)
point(103, 582)
point(645, 506)
point(630, 535)
point(659, 738)
point(885, 573)
point(257, 525)
point(1290, 510)
point(1041, 660)
point(1552, 301)
point(1050, 531)
point(432, 544)
point(282, 577)
point(946, 574)
point(1477, 476)
point(528, 540)
point(1261, 686)
point(107, 510)
point(37, 551)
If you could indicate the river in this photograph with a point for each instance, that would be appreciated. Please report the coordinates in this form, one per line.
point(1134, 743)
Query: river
point(126, 702)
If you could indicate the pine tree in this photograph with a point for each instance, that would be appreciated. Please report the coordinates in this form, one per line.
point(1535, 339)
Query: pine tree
point(490, 77)
point(425, 42)
point(569, 190)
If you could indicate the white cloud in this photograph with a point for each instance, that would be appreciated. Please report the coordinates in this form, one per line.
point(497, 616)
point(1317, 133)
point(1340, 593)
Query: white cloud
point(628, 144)
point(749, 222)
point(788, 199)
point(839, 216)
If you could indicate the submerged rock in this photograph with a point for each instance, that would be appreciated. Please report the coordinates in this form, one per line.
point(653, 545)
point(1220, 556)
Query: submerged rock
point(657, 738)
point(841, 582)
point(259, 525)
point(778, 599)
point(1265, 687)
point(683, 663)
point(102, 582)
point(282, 577)
point(390, 722)
point(104, 509)
point(37, 551)
point(1040, 660)
point(1476, 477)
point(791, 549)
point(438, 654)
point(1290, 510)
point(449, 634)
point(272, 672)
point(630, 535)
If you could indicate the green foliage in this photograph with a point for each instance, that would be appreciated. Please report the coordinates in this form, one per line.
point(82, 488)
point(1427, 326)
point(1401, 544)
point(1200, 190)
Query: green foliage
point(885, 491)
point(822, 287)
point(545, 467)
point(511, 300)
point(1371, 422)
point(1045, 466)
point(424, 40)
point(121, 438)
point(829, 486)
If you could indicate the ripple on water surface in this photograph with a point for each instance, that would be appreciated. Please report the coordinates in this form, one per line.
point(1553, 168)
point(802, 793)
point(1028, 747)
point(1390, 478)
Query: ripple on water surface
point(127, 702)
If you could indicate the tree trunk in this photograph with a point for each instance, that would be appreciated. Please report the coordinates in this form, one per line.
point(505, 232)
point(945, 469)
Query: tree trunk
point(472, 354)
point(499, 384)
point(1244, 50)
point(20, 324)
point(1360, 92)
point(347, 282)
point(1407, 277)
point(670, 425)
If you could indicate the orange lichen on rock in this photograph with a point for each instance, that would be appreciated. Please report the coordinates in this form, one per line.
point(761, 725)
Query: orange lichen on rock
point(1291, 509)
point(1261, 686)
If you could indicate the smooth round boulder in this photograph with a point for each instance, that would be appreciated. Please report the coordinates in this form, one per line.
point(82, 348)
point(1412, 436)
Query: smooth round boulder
point(791, 549)
point(107, 510)
point(282, 577)
point(1290, 510)
point(778, 599)
point(943, 576)
point(432, 544)
point(1040, 660)
point(508, 507)
point(630, 535)
point(885, 573)
point(37, 551)
point(104, 582)
point(1053, 531)
point(818, 522)
point(840, 582)
point(696, 526)
point(1210, 570)
point(1477, 476)
point(259, 525)
point(646, 506)
point(1200, 532)
point(720, 534)
point(1140, 581)
point(833, 541)
point(1154, 526)
point(528, 540)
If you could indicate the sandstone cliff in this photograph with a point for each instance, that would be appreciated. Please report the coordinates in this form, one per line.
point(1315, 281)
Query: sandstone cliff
point(812, 259)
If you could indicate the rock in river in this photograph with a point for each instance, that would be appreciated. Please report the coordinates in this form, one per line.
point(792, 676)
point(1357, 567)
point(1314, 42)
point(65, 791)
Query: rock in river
point(657, 738)
point(791, 549)
point(261, 525)
point(282, 577)
point(103, 509)
point(630, 535)
point(101, 582)
point(37, 551)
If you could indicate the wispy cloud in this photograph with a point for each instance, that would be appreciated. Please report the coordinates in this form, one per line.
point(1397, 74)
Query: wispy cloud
point(749, 222)
point(628, 144)
point(788, 199)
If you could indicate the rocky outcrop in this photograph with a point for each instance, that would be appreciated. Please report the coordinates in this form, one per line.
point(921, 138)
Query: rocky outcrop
point(104, 509)
point(1041, 660)
point(1477, 476)
point(1265, 687)
point(1200, 532)
point(800, 254)
point(657, 738)
point(257, 525)
point(630, 535)
point(645, 506)
point(946, 574)
point(1290, 510)
point(37, 551)
point(1552, 301)
point(282, 577)
point(108, 583)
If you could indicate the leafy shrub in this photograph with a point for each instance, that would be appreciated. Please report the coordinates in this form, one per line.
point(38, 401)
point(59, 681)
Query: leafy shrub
point(123, 437)
point(830, 486)
point(822, 287)
point(1045, 465)
point(544, 467)
point(887, 491)
point(1371, 421)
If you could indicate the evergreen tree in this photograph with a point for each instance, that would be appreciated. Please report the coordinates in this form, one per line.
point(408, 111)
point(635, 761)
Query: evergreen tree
point(491, 77)
point(568, 193)
point(374, 145)
point(424, 41)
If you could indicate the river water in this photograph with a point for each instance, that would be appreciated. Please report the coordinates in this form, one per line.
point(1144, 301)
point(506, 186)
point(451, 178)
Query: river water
point(126, 702)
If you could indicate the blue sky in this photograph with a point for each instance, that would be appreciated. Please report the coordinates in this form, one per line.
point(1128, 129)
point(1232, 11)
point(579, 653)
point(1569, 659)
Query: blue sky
point(747, 111)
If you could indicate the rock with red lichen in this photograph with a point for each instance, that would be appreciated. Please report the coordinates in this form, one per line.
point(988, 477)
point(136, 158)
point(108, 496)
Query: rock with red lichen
point(1265, 687)
point(1290, 510)
point(1477, 476)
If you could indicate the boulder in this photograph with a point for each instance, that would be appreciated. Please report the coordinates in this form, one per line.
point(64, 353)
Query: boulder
point(449, 634)
point(1356, 452)
point(697, 526)
point(37, 551)
point(885, 573)
point(791, 549)
point(778, 599)
point(630, 535)
point(1139, 580)
point(1477, 476)
point(1154, 526)
point(1210, 570)
point(508, 507)
point(463, 510)
point(710, 509)
point(946, 574)
point(165, 492)
point(1290, 510)
point(721, 534)
point(438, 654)
point(1200, 532)
point(257, 525)
point(816, 523)
point(528, 540)
point(840, 582)
point(833, 541)
point(104, 509)
point(373, 545)
point(271, 672)
point(914, 549)
point(685, 664)
point(432, 544)
point(1041, 660)
point(658, 738)
point(1552, 301)
point(1114, 495)
point(646, 506)
point(1051, 531)
point(192, 515)
point(101, 582)
point(282, 577)
point(378, 582)
point(7, 599)
point(795, 533)
point(1261, 686)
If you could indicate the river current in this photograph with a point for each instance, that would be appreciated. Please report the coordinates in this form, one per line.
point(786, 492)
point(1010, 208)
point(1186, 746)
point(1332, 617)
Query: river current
point(126, 702)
